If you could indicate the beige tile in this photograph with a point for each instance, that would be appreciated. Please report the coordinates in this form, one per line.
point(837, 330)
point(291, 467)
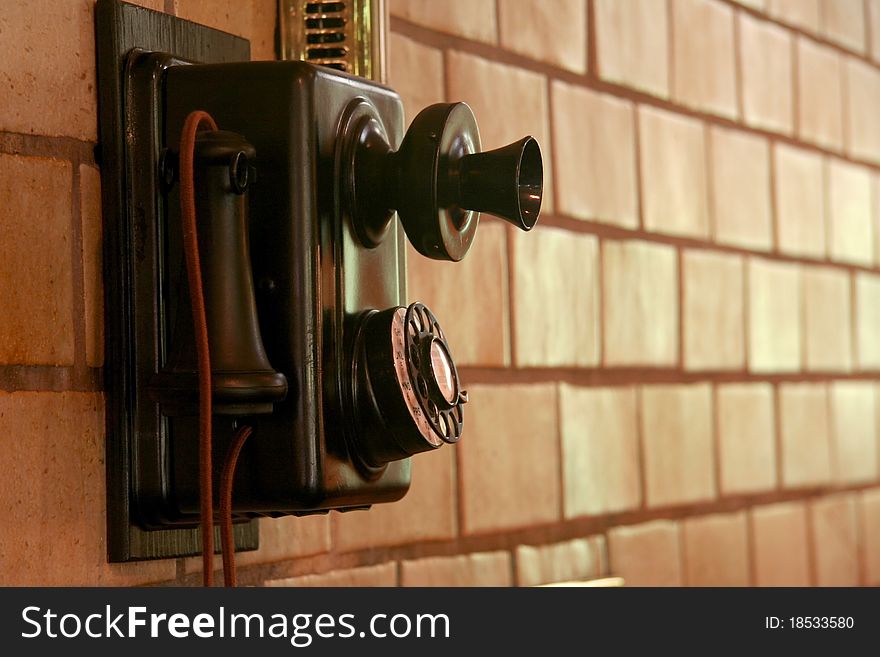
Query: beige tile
point(508, 461)
point(472, 19)
point(673, 172)
point(759, 5)
point(254, 20)
point(746, 438)
point(600, 458)
point(740, 179)
point(677, 444)
point(288, 538)
point(835, 540)
point(594, 146)
point(640, 289)
point(774, 316)
point(867, 300)
point(646, 555)
point(92, 261)
point(799, 13)
point(863, 98)
point(781, 545)
point(767, 74)
point(874, 28)
point(552, 32)
point(819, 89)
point(574, 560)
point(47, 69)
point(480, 569)
point(703, 67)
point(415, 72)
point(843, 21)
point(869, 507)
point(805, 438)
point(380, 575)
point(36, 324)
point(854, 428)
point(632, 46)
point(55, 496)
point(476, 324)
point(800, 201)
point(712, 310)
point(850, 220)
point(489, 87)
point(827, 319)
point(556, 319)
point(716, 550)
point(427, 512)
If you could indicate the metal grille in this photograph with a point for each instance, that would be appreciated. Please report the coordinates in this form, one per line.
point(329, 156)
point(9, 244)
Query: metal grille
point(347, 35)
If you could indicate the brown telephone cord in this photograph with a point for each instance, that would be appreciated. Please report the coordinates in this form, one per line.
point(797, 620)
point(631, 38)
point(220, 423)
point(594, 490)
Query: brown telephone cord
point(200, 324)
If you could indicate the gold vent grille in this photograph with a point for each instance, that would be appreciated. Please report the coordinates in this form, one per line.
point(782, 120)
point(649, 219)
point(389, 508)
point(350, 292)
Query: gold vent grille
point(347, 35)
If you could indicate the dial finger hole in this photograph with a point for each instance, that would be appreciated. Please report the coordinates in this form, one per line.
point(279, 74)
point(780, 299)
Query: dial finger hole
point(444, 426)
point(422, 386)
point(433, 413)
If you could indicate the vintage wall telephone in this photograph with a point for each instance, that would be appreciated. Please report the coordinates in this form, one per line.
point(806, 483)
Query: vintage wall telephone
point(304, 272)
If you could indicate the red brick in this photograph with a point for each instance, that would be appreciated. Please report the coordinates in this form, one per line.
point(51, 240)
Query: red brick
point(677, 444)
point(600, 458)
point(481, 569)
point(716, 550)
point(555, 33)
point(646, 555)
point(869, 507)
point(827, 319)
point(805, 434)
point(819, 88)
point(574, 560)
point(854, 429)
point(55, 523)
point(542, 298)
point(781, 552)
point(287, 538)
point(850, 219)
point(863, 98)
point(380, 575)
point(800, 13)
point(835, 540)
point(740, 166)
point(92, 261)
point(843, 21)
point(632, 45)
point(713, 307)
point(594, 145)
point(800, 201)
point(640, 288)
point(36, 295)
point(746, 444)
point(673, 168)
point(508, 460)
point(703, 56)
point(774, 314)
point(867, 300)
point(47, 68)
point(251, 19)
point(427, 512)
point(767, 72)
point(472, 19)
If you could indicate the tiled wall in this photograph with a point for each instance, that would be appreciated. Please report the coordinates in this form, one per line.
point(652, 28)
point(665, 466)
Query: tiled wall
point(673, 376)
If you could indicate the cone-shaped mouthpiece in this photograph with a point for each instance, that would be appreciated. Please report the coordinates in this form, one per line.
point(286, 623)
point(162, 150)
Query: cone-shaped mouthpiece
point(507, 182)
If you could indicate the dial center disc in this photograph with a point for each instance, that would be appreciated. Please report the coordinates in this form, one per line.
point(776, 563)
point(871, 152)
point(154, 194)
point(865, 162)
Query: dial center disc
point(443, 372)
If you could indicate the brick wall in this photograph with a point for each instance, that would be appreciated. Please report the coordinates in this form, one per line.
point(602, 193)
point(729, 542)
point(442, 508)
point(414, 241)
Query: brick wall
point(673, 376)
